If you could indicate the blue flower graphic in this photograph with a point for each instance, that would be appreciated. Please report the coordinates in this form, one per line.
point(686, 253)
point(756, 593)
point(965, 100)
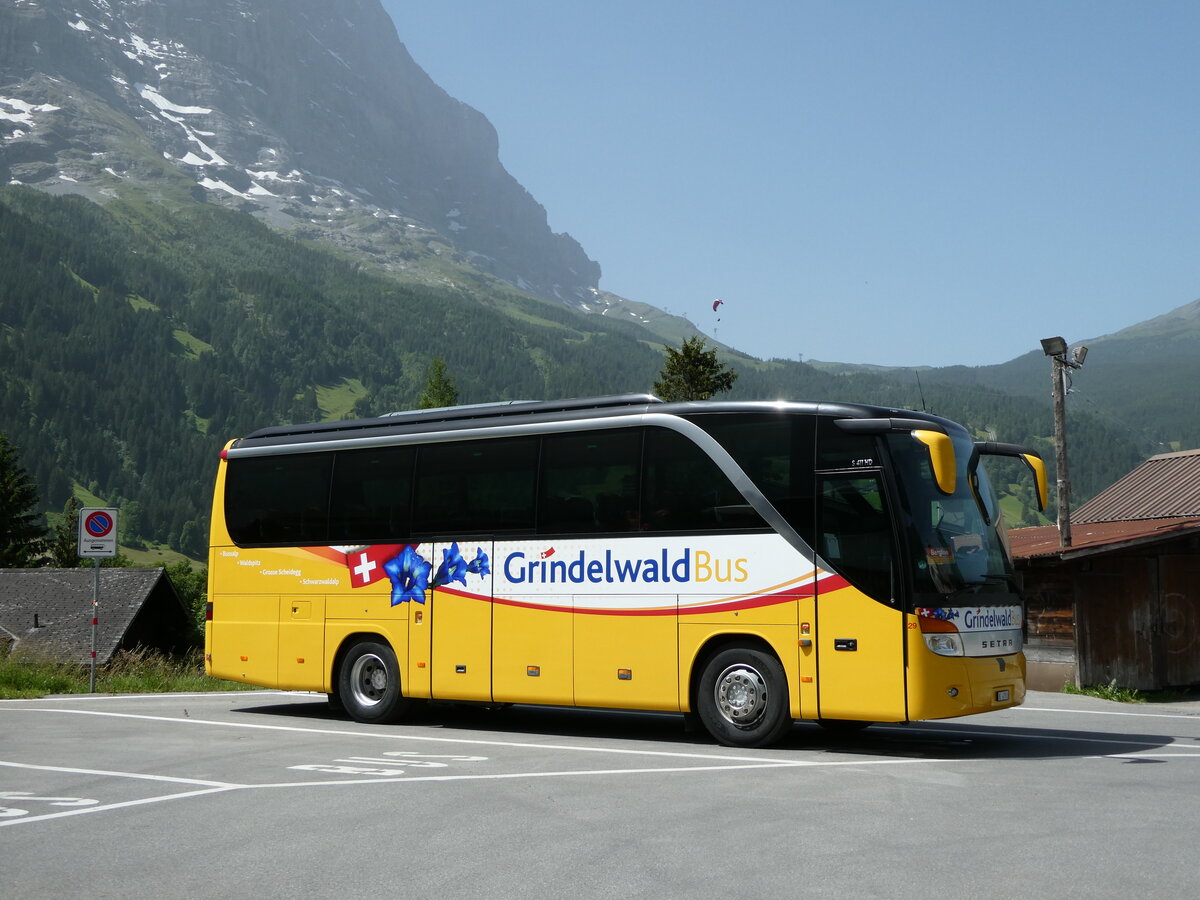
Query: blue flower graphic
point(409, 574)
point(453, 567)
point(479, 565)
point(944, 614)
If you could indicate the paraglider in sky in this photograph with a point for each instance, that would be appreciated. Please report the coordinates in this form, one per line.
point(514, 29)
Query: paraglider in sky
point(717, 303)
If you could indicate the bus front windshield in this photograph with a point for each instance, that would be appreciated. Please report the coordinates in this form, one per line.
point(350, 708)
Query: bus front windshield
point(955, 542)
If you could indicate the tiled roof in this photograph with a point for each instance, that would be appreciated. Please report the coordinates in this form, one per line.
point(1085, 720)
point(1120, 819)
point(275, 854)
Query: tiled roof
point(1164, 486)
point(61, 600)
point(1088, 538)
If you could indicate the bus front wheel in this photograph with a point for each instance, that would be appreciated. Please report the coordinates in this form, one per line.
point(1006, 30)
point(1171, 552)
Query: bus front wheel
point(742, 698)
point(369, 684)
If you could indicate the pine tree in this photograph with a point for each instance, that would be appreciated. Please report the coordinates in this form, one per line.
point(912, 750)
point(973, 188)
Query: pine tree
point(693, 373)
point(64, 541)
point(439, 387)
point(22, 535)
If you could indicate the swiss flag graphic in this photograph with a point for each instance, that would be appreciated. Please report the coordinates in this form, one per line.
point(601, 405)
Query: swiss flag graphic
point(366, 565)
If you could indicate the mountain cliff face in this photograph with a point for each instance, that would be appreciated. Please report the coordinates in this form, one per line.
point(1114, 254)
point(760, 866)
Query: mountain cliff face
point(307, 113)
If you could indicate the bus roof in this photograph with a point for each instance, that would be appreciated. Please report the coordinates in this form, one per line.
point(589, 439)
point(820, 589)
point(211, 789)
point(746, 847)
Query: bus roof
point(466, 418)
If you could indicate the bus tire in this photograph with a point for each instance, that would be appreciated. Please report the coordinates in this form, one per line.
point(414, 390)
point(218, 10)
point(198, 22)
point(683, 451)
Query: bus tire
point(369, 684)
point(742, 698)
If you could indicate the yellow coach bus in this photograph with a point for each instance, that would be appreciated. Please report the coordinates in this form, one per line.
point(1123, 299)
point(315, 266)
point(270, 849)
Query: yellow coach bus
point(748, 563)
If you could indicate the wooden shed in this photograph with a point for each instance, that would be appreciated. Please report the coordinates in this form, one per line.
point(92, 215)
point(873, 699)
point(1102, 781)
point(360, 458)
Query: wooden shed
point(49, 612)
point(1122, 603)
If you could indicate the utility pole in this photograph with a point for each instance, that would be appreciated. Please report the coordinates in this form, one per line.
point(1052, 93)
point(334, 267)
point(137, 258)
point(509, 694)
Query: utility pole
point(1056, 349)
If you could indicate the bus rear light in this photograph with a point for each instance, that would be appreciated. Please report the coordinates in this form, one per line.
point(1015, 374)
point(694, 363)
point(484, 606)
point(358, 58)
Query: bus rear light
point(944, 644)
point(208, 611)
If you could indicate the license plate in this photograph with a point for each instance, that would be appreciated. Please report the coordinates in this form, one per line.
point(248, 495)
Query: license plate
point(1002, 696)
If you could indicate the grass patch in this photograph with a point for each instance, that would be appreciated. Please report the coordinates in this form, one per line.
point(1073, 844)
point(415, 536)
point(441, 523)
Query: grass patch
point(201, 425)
point(1110, 691)
point(86, 285)
point(86, 497)
point(336, 401)
point(158, 556)
point(136, 671)
point(194, 346)
point(140, 303)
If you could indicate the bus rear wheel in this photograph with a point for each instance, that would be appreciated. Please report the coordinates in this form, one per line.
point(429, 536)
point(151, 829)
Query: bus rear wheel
point(742, 698)
point(369, 684)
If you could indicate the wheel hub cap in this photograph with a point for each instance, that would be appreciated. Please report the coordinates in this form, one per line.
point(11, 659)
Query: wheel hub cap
point(741, 695)
point(369, 680)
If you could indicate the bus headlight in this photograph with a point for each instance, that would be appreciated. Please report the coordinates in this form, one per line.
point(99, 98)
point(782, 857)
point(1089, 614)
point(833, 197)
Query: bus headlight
point(944, 644)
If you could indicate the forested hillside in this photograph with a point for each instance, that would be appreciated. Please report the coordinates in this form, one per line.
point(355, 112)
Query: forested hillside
point(1140, 380)
point(130, 355)
point(136, 339)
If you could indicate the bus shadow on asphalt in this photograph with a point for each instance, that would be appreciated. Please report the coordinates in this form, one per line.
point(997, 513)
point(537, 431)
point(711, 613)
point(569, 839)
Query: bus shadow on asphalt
point(976, 740)
point(946, 739)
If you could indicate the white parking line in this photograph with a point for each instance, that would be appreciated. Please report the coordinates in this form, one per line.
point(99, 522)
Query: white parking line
point(398, 736)
point(75, 771)
point(109, 806)
point(707, 761)
point(1107, 712)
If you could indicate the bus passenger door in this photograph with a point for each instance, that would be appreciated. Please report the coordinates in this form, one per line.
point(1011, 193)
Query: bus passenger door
point(459, 614)
point(860, 626)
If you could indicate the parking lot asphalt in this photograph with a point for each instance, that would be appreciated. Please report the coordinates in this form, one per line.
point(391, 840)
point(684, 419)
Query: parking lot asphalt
point(271, 794)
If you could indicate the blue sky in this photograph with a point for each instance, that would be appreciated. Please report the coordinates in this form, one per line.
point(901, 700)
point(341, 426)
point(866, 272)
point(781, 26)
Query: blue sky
point(899, 183)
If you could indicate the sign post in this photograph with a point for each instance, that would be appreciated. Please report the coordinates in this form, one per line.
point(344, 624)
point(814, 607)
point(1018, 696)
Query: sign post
point(97, 540)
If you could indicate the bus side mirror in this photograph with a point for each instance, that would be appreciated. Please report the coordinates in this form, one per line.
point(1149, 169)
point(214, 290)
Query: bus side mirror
point(1038, 467)
point(1031, 458)
point(940, 449)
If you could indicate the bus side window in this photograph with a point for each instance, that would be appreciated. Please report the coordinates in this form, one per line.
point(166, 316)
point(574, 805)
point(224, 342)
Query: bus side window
point(372, 495)
point(477, 487)
point(776, 452)
point(684, 490)
point(589, 482)
point(278, 499)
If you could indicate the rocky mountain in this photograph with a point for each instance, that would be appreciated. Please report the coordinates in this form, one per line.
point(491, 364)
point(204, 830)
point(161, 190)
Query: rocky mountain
point(311, 115)
point(140, 332)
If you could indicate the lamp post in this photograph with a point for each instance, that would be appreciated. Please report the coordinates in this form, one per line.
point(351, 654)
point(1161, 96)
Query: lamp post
point(1056, 349)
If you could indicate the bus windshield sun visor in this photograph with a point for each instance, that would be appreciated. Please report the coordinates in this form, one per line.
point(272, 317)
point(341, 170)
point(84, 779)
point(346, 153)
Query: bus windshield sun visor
point(932, 435)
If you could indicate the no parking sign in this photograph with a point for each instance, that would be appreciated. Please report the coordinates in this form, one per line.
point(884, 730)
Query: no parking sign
point(97, 533)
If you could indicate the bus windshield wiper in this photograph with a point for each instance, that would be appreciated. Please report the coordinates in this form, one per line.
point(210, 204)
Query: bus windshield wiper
point(974, 586)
